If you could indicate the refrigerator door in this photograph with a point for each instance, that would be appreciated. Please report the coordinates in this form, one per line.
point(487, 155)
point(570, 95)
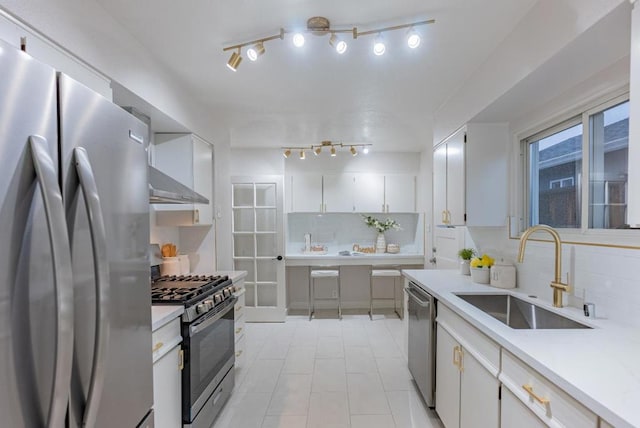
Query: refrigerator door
point(105, 191)
point(36, 311)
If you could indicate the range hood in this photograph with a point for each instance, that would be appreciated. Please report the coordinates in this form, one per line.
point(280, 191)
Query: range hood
point(166, 190)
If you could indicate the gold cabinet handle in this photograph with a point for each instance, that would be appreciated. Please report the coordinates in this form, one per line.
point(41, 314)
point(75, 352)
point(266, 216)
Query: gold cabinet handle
point(181, 360)
point(456, 357)
point(448, 217)
point(461, 359)
point(238, 330)
point(542, 400)
point(444, 217)
point(157, 346)
point(238, 307)
point(238, 353)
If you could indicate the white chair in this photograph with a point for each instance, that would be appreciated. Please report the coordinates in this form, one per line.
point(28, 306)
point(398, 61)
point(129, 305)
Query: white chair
point(323, 273)
point(384, 273)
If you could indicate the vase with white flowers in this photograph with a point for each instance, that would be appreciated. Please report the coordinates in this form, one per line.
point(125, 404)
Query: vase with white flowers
point(381, 226)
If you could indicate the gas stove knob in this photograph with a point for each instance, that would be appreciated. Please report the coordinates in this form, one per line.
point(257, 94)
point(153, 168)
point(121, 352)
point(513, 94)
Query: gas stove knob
point(209, 304)
point(219, 298)
point(201, 308)
point(227, 291)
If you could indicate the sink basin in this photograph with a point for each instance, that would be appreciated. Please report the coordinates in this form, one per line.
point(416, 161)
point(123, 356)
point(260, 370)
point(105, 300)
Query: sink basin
point(518, 313)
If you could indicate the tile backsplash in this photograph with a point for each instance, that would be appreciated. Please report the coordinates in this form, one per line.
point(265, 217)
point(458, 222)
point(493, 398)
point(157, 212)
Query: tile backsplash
point(339, 231)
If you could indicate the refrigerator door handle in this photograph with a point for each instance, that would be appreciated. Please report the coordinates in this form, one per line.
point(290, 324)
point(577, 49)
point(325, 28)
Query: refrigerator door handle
point(100, 262)
point(47, 177)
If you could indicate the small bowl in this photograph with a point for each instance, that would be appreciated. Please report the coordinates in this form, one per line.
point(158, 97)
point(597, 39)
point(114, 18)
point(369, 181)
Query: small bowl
point(393, 248)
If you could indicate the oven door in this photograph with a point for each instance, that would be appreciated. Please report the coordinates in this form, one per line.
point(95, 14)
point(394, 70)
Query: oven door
point(209, 355)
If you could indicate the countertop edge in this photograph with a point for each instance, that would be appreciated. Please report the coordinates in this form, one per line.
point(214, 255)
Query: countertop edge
point(162, 314)
point(493, 328)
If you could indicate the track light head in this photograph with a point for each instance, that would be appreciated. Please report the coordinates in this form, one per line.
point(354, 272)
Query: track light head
point(353, 151)
point(333, 151)
point(378, 45)
point(255, 51)
point(298, 40)
point(317, 151)
point(413, 38)
point(339, 45)
point(302, 155)
point(234, 61)
point(287, 153)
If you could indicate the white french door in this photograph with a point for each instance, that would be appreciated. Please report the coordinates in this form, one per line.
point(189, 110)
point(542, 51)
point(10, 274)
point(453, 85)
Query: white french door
point(258, 244)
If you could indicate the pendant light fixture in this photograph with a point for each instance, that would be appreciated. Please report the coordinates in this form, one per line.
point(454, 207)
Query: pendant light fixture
point(320, 26)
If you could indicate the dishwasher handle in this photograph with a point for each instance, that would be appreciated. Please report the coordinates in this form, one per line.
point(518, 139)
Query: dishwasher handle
point(423, 303)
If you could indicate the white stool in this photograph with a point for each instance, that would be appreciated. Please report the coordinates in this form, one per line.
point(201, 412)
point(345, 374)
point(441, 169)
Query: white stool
point(320, 273)
point(383, 273)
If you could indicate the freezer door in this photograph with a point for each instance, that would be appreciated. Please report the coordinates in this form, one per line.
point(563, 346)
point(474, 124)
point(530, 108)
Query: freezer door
point(112, 372)
point(35, 270)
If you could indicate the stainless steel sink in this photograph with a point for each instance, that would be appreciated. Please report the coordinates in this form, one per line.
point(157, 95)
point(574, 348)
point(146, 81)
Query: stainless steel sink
point(518, 313)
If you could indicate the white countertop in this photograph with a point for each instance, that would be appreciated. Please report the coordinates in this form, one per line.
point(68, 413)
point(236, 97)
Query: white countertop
point(162, 314)
point(305, 259)
point(598, 367)
point(234, 275)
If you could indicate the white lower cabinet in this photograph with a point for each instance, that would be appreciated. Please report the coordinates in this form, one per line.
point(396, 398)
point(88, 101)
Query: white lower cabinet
point(239, 325)
point(514, 414)
point(550, 404)
point(467, 387)
point(167, 375)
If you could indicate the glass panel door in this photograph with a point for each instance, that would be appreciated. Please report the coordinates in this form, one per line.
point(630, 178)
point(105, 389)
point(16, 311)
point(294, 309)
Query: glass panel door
point(257, 226)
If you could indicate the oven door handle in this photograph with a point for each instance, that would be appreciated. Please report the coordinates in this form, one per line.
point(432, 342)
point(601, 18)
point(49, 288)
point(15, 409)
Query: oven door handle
point(89, 187)
point(206, 323)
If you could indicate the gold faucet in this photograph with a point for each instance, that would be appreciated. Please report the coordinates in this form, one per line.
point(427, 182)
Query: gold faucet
point(557, 285)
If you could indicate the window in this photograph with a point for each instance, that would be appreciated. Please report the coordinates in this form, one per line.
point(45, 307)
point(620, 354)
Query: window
point(594, 145)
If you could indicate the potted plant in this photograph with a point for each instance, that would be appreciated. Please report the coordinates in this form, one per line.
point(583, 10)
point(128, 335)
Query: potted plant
point(381, 227)
point(466, 254)
point(480, 267)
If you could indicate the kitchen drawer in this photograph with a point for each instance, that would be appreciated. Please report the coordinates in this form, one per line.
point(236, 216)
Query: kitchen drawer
point(239, 330)
point(165, 338)
point(554, 406)
point(483, 349)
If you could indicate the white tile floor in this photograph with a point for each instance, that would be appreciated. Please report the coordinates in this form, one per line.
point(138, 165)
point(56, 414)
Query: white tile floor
point(326, 373)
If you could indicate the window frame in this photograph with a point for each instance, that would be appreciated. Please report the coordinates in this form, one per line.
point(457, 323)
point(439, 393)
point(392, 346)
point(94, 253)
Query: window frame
point(571, 117)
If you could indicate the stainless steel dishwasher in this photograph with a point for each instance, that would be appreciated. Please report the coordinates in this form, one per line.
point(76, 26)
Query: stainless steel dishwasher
point(422, 344)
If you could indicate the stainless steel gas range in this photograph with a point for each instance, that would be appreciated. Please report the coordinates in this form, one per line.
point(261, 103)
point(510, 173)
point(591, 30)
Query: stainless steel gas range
point(208, 341)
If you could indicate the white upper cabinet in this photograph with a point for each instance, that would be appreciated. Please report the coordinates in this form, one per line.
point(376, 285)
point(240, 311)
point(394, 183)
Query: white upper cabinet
point(633, 213)
point(306, 193)
point(352, 192)
point(189, 160)
point(368, 193)
point(337, 192)
point(399, 193)
point(470, 177)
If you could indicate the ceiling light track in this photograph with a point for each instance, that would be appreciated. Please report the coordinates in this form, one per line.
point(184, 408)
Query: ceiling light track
point(320, 26)
point(316, 149)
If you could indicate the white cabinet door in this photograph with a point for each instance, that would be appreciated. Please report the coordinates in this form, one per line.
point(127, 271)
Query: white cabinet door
point(456, 178)
point(400, 193)
point(167, 398)
point(306, 193)
point(514, 414)
point(203, 179)
point(368, 193)
point(479, 404)
point(440, 184)
point(447, 379)
point(338, 192)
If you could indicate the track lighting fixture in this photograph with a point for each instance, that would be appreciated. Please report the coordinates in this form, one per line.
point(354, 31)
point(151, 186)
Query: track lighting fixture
point(255, 51)
point(316, 149)
point(235, 60)
point(378, 45)
point(320, 26)
point(413, 38)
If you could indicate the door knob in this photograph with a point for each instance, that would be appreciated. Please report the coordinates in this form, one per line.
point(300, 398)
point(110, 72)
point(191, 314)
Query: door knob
point(278, 258)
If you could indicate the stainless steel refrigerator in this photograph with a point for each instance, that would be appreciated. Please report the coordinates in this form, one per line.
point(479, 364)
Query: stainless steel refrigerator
point(75, 319)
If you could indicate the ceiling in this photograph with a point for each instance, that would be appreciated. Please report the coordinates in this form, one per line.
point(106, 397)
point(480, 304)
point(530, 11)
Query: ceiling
point(303, 96)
